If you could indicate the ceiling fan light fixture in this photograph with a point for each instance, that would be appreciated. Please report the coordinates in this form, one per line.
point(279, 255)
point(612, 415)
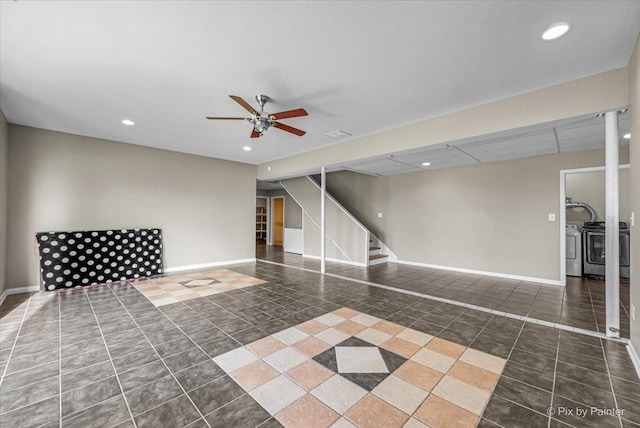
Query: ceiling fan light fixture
point(128, 122)
point(556, 31)
point(262, 121)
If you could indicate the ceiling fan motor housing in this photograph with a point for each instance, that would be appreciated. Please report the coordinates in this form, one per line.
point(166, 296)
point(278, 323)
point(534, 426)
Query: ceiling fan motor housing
point(260, 123)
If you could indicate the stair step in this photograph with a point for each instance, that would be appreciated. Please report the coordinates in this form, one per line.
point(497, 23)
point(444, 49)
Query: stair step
point(376, 259)
point(374, 248)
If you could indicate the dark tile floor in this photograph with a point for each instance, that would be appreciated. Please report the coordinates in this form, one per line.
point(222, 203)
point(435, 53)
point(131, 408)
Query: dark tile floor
point(579, 304)
point(108, 357)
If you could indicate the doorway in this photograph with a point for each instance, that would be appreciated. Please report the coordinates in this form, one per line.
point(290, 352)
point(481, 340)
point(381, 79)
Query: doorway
point(586, 185)
point(278, 220)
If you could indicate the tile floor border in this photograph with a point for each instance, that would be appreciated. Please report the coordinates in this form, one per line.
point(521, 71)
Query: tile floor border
point(461, 304)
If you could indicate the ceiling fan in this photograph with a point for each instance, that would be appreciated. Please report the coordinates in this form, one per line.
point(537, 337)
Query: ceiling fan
point(262, 121)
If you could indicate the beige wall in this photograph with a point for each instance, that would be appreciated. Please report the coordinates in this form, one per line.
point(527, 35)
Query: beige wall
point(490, 217)
point(634, 104)
point(204, 206)
point(588, 187)
point(292, 211)
point(4, 146)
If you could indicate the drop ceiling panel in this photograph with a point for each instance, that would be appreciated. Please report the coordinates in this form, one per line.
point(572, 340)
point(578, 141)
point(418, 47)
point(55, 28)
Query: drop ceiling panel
point(582, 131)
point(582, 143)
point(439, 158)
point(394, 171)
point(451, 163)
point(574, 134)
point(502, 156)
point(625, 122)
point(513, 148)
point(428, 156)
point(370, 164)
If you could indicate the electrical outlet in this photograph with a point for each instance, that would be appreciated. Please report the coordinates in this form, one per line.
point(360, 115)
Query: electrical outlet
point(379, 215)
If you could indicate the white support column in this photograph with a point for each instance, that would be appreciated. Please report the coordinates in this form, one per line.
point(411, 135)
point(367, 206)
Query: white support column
point(612, 232)
point(323, 219)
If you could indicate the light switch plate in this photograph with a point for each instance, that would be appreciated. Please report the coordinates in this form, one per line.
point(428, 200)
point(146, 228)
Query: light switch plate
point(552, 216)
point(379, 215)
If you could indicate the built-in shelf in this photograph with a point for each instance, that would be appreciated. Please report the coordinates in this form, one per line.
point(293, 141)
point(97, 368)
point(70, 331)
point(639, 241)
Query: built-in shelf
point(261, 223)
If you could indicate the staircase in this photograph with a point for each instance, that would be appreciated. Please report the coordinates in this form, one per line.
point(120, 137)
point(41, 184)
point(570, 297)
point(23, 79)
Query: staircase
point(375, 255)
point(347, 239)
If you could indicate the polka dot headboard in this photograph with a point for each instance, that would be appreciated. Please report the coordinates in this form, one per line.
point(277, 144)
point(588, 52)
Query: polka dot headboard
point(76, 259)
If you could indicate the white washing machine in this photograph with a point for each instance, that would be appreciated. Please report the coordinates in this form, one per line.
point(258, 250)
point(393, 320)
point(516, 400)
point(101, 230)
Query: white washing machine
point(574, 251)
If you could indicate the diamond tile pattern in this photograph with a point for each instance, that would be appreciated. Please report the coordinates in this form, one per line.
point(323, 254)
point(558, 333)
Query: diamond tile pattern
point(360, 359)
point(199, 282)
point(358, 382)
point(167, 290)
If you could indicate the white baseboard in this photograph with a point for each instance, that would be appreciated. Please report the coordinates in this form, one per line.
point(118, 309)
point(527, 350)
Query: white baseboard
point(480, 272)
point(329, 259)
point(208, 265)
point(635, 358)
point(18, 290)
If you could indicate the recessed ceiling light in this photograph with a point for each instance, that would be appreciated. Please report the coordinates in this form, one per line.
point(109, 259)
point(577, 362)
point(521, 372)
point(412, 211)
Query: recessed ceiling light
point(246, 148)
point(426, 163)
point(626, 136)
point(556, 30)
point(128, 122)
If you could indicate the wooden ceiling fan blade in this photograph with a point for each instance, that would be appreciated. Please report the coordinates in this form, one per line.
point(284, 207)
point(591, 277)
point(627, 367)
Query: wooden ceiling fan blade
point(255, 134)
point(244, 104)
point(291, 129)
point(289, 114)
point(226, 118)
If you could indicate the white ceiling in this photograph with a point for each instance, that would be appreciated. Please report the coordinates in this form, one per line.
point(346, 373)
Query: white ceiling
point(81, 67)
point(583, 133)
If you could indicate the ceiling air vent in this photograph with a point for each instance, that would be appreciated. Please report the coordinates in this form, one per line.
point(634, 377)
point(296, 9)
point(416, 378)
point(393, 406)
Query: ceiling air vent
point(338, 134)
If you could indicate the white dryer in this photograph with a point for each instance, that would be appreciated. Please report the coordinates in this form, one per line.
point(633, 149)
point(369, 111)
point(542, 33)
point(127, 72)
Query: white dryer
point(574, 251)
